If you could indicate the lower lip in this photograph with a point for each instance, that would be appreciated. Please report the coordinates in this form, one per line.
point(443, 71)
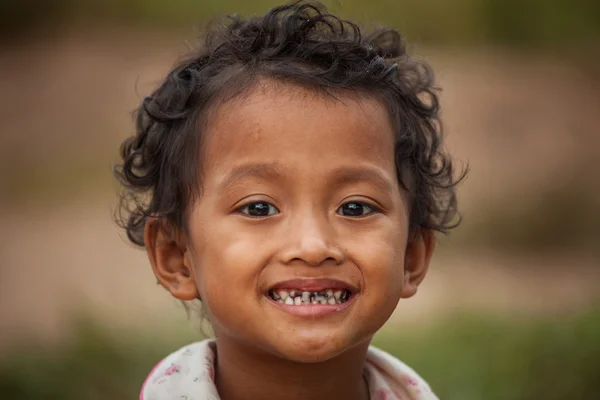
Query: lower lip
point(313, 310)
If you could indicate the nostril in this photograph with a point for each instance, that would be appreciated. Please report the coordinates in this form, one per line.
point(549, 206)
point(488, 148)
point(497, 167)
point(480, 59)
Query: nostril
point(313, 253)
point(315, 262)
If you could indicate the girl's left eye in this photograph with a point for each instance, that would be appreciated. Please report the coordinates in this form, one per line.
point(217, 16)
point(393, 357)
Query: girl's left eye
point(355, 209)
point(259, 209)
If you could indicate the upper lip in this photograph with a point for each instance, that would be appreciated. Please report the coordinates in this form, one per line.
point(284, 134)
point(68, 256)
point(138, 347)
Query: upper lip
point(314, 284)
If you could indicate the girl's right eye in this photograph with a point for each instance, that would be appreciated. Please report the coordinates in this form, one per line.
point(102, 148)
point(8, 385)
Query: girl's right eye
point(259, 209)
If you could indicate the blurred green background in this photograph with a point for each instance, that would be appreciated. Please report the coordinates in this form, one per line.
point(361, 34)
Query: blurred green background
point(511, 307)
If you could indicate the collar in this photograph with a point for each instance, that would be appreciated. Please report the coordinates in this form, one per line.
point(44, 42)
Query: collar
point(188, 374)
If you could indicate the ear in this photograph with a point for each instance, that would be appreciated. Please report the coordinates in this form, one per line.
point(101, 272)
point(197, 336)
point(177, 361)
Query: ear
point(170, 260)
point(416, 261)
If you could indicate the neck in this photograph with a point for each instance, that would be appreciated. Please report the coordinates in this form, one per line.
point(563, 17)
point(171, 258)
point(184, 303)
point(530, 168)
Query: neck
point(244, 373)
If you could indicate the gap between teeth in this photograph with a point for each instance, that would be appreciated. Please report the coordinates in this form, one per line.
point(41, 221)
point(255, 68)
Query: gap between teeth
point(298, 297)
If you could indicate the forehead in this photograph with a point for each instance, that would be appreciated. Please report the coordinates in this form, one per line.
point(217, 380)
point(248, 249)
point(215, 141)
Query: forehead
point(283, 123)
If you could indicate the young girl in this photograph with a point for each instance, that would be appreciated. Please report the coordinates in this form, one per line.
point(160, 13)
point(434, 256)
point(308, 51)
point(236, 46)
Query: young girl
point(289, 175)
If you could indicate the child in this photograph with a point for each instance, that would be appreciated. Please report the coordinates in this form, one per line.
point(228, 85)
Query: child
point(289, 174)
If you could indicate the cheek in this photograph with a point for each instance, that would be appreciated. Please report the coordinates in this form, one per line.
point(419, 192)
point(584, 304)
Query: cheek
point(227, 267)
point(384, 272)
point(381, 262)
point(227, 270)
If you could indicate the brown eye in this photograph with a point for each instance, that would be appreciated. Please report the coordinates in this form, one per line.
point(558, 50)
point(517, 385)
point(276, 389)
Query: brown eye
point(355, 209)
point(259, 209)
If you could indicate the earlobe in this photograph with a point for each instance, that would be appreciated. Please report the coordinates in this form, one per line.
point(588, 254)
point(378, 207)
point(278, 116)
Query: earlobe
point(170, 260)
point(416, 261)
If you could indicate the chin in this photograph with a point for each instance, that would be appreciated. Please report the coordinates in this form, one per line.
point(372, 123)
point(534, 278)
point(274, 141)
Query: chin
point(312, 349)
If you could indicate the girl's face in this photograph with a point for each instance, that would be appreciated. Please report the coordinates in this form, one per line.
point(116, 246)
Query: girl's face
point(299, 191)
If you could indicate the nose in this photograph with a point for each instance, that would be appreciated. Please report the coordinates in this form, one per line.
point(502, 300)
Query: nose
point(311, 242)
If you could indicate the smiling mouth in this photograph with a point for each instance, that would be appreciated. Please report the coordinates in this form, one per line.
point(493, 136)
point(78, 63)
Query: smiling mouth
point(300, 297)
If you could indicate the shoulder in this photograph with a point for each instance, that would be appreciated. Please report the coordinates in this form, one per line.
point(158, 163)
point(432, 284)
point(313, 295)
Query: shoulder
point(191, 368)
point(390, 378)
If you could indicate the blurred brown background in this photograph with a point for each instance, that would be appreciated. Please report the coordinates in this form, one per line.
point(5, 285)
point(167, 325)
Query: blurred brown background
point(521, 106)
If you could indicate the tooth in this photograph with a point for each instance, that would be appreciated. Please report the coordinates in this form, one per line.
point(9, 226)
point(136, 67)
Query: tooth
point(297, 301)
point(323, 300)
point(289, 300)
point(331, 300)
point(293, 293)
point(329, 293)
point(275, 295)
point(280, 301)
point(314, 301)
point(337, 294)
point(284, 295)
point(305, 297)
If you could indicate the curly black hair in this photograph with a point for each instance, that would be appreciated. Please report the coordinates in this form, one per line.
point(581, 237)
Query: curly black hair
point(303, 44)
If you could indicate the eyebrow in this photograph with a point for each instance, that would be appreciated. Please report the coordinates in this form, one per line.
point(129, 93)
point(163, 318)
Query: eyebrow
point(265, 171)
point(348, 175)
point(341, 176)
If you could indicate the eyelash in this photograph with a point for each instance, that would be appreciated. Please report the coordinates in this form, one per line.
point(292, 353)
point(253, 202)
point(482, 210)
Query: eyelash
point(245, 209)
point(373, 209)
point(269, 208)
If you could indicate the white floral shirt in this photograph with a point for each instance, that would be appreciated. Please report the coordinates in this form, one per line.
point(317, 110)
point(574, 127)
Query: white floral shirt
point(188, 374)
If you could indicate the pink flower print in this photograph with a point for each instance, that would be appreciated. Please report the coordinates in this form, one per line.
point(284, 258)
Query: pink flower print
point(173, 369)
point(411, 381)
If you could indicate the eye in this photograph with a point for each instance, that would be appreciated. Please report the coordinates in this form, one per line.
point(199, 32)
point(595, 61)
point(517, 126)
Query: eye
point(259, 209)
point(355, 209)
